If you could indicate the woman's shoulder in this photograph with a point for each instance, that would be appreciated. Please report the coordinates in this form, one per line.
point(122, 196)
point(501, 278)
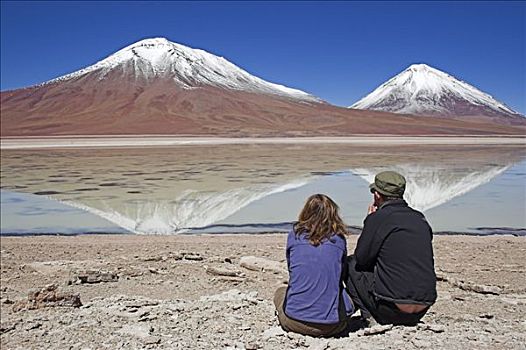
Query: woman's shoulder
point(298, 238)
point(337, 240)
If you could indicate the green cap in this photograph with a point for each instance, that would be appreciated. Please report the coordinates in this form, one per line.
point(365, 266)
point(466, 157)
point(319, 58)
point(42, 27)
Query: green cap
point(389, 183)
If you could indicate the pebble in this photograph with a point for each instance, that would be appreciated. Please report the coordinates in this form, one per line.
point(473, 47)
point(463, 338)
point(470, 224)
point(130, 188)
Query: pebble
point(273, 332)
point(378, 329)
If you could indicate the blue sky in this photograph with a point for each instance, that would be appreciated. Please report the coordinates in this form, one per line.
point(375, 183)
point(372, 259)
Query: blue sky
point(339, 51)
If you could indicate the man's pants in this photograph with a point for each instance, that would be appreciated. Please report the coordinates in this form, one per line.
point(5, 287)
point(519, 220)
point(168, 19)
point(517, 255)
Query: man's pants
point(360, 285)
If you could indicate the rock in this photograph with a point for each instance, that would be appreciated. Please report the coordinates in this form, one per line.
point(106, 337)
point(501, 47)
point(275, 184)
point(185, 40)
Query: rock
point(272, 332)
point(473, 287)
point(193, 257)
point(261, 264)
point(32, 325)
point(223, 272)
point(468, 286)
point(7, 301)
point(231, 279)
point(140, 302)
point(232, 295)
point(487, 316)
point(151, 340)
point(440, 276)
point(318, 344)
point(7, 326)
point(252, 346)
point(139, 331)
point(378, 329)
point(153, 258)
point(48, 296)
point(480, 288)
point(422, 344)
point(95, 276)
point(436, 328)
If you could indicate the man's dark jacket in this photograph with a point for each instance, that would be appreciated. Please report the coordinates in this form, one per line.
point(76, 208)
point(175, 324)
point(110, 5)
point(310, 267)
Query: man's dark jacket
point(395, 244)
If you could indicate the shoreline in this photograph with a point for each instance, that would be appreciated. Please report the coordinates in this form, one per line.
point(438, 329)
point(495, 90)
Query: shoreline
point(107, 141)
point(353, 231)
point(195, 292)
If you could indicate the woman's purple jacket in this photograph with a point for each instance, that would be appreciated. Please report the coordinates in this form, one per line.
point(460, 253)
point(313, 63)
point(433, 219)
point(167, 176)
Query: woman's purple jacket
point(313, 294)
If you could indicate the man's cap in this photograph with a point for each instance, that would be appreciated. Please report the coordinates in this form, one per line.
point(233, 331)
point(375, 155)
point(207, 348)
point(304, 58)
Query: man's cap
point(389, 183)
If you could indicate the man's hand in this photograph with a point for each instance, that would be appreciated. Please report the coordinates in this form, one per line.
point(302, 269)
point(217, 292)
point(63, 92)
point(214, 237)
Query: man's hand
point(372, 209)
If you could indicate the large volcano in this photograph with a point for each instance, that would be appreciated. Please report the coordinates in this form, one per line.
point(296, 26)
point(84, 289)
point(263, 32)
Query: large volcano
point(159, 87)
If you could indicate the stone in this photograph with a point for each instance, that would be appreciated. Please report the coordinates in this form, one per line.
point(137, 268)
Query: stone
point(140, 331)
point(272, 332)
point(480, 288)
point(261, 264)
point(95, 276)
point(234, 280)
point(153, 258)
point(436, 328)
point(32, 325)
point(7, 326)
point(193, 257)
point(422, 344)
point(216, 271)
point(473, 287)
point(252, 346)
point(7, 301)
point(151, 340)
point(318, 344)
point(378, 329)
point(48, 296)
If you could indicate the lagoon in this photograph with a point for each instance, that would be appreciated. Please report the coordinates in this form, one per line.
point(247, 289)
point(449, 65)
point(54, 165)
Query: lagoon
point(175, 189)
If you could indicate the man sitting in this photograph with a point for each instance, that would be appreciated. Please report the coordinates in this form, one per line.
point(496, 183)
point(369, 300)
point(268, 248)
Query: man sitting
point(391, 274)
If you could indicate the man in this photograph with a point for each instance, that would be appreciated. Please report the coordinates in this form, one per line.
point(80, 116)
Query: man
point(391, 275)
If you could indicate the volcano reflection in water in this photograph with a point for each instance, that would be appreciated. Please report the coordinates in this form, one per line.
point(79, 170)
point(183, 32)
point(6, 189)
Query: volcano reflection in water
point(170, 190)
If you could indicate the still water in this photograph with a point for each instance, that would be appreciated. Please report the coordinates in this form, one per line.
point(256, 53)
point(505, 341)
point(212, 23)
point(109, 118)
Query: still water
point(254, 188)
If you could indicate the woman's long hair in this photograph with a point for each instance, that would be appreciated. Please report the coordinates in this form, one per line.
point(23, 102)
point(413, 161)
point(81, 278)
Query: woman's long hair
point(319, 220)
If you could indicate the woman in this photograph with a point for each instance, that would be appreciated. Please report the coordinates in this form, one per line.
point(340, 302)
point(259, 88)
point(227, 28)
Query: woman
point(314, 303)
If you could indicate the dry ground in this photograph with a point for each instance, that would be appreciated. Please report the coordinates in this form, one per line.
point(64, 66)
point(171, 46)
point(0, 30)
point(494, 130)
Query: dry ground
point(168, 296)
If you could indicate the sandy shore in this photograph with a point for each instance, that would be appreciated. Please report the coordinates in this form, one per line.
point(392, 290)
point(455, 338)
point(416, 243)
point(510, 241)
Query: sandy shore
point(196, 292)
point(157, 141)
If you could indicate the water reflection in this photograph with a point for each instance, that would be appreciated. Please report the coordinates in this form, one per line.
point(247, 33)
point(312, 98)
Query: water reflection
point(168, 190)
point(429, 187)
point(190, 210)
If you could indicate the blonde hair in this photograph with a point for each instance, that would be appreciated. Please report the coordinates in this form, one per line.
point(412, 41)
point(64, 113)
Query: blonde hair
point(320, 220)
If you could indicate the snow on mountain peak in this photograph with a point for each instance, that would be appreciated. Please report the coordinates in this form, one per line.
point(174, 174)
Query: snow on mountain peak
point(422, 89)
point(153, 58)
point(419, 67)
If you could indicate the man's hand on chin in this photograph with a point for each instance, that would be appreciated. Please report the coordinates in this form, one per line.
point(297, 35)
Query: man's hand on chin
point(372, 209)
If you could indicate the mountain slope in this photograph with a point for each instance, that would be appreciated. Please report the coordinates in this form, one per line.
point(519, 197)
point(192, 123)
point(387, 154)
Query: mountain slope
point(156, 58)
point(159, 87)
point(424, 90)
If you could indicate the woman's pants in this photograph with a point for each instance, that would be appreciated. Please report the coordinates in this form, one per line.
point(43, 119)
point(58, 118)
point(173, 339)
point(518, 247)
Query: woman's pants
point(306, 328)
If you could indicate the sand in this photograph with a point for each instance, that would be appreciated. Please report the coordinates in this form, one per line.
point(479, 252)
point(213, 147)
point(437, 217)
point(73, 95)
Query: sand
point(158, 141)
point(191, 292)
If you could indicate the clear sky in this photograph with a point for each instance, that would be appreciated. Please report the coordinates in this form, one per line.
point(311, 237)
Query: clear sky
point(339, 51)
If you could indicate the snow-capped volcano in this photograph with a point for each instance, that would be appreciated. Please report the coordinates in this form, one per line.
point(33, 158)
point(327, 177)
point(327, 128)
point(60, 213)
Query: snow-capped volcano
point(155, 58)
point(157, 87)
point(424, 90)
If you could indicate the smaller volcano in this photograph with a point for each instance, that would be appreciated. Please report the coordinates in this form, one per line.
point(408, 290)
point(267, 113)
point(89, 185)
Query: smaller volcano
point(424, 90)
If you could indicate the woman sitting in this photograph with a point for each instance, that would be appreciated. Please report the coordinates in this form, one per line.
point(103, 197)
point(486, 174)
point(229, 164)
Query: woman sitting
point(315, 303)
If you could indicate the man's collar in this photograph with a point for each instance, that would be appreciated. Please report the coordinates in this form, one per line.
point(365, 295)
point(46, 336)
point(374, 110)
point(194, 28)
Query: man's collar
point(393, 202)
